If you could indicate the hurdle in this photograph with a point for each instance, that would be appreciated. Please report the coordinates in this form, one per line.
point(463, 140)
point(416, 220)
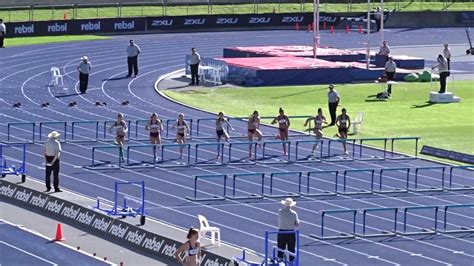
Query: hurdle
point(392, 148)
point(125, 210)
point(13, 170)
point(424, 230)
point(283, 142)
point(372, 158)
point(168, 127)
point(104, 165)
point(352, 234)
point(445, 220)
point(220, 153)
point(381, 178)
point(365, 212)
point(214, 197)
point(84, 139)
point(198, 126)
point(134, 164)
point(296, 254)
point(243, 161)
point(344, 181)
point(432, 188)
point(310, 175)
point(106, 129)
point(16, 124)
point(45, 124)
point(187, 153)
point(341, 158)
point(464, 187)
point(309, 158)
point(250, 196)
point(290, 194)
point(135, 135)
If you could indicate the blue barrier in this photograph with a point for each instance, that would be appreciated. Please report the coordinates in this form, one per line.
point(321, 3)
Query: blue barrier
point(370, 158)
point(343, 158)
point(198, 125)
point(341, 235)
point(41, 124)
point(189, 121)
point(418, 169)
point(252, 144)
point(296, 254)
point(251, 196)
point(283, 142)
point(464, 187)
point(186, 146)
point(16, 124)
point(104, 165)
point(424, 230)
point(383, 233)
point(133, 164)
point(310, 158)
point(325, 192)
point(445, 219)
point(290, 194)
point(344, 181)
point(214, 197)
point(73, 131)
point(220, 153)
point(381, 178)
point(13, 169)
point(392, 148)
point(107, 127)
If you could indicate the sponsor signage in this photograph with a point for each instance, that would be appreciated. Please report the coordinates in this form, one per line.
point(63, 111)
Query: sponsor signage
point(91, 221)
point(447, 154)
point(465, 17)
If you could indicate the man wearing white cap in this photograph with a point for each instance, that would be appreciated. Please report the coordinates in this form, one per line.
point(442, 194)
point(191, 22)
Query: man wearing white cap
point(287, 221)
point(84, 69)
point(52, 152)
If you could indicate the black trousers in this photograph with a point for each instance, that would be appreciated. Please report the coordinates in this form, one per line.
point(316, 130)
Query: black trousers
point(378, 23)
point(132, 65)
point(442, 81)
point(390, 77)
point(449, 63)
point(83, 82)
point(194, 74)
point(286, 242)
point(333, 112)
point(54, 169)
point(2, 38)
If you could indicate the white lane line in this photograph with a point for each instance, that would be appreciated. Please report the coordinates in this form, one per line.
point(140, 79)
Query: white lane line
point(28, 253)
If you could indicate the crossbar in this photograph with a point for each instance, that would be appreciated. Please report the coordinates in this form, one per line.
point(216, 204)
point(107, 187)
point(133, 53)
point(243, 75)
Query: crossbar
point(392, 148)
point(342, 236)
point(41, 124)
point(365, 212)
point(141, 164)
point(407, 180)
point(13, 124)
point(344, 181)
point(73, 130)
point(215, 197)
point(325, 193)
point(93, 166)
point(253, 196)
point(274, 174)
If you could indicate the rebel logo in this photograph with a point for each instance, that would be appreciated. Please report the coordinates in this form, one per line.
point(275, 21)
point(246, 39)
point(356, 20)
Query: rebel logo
point(56, 27)
point(54, 206)
point(135, 237)
point(91, 26)
point(23, 196)
point(39, 201)
point(296, 19)
point(85, 218)
point(162, 22)
point(124, 25)
point(28, 29)
point(118, 230)
point(8, 191)
point(152, 244)
point(260, 20)
point(223, 21)
point(101, 224)
point(194, 21)
point(70, 212)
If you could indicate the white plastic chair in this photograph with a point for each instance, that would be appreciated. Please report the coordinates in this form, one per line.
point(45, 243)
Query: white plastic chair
point(216, 76)
point(357, 123)
point(205, 228)
point(202, 74)
point(56, 77)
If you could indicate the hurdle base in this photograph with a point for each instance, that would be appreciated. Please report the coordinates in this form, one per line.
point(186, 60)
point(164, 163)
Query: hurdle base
point(81, 140)
point(271, 196)
point(99, 167)
point(142, 165)
point(373, 158)
point(245, 197)
point(392, 191)
point(219, 198)
point(381, 234)
point(342, 236)
point(308, 160)
point(402, 158)
point(267, 160)
point(460, 188)
point(361, 192)
point(340, 159)
point(423, 232)
point(322, 194)
point(432, 189)
point(461, 230)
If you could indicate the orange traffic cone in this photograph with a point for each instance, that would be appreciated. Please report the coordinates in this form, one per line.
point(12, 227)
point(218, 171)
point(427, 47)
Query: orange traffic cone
point(360, 29)
point(65, 16)
point(59, 234)
point(331, 30)
point(297, 26)
point(347, 29)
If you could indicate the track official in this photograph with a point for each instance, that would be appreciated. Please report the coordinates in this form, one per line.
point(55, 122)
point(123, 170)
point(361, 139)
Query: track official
point(194, 62)
point(52, 153)
point(333, 102)
point(287, 221)
point(84, 69)
point(3, 32)
point(390, 71)
point(133, 51)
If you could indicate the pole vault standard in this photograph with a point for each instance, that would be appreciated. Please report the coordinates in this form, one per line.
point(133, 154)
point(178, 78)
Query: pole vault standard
point(316, 37)
point(368, 36)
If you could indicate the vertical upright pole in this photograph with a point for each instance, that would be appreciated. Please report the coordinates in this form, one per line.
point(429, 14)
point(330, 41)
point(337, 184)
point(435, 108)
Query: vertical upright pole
point(368, 36)
point(382, 16)
point(316, 36)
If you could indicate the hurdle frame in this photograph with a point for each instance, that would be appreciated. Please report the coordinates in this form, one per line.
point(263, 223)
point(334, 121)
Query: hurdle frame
point(347, 236)
point(254, 147)
point(73, 126)
point(220, 150)
point(283, 142)
point(198, 126)
point(325, 193)
point(290, 194)
point(392, 148)
point(135, 136)
point(187, 146)
point(365, 212)
point(110, 166)
point(297, 245)
point(142, 164)
point(234, 179)
point(445, 219)
point(344, 158)
point(344, 182)
point(215, 197)
point(33, 132)
point(41, 124)
point(407, 182)
point(426, 231)
point(451, 169)
point(432, 189)
point(187, 120)
point(319, 142)
point(374, 158)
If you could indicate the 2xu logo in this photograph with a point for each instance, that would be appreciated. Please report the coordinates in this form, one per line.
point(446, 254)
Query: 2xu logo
point(221, 21)
point(292, 19)
point(162, 22)
point(261, 20)
point(194, 21)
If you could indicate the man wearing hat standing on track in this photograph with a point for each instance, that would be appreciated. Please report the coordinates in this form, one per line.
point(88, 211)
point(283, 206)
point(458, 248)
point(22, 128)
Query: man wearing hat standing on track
point(84, 69)
point(52, 153)
point(333, 102)
point(133, 51)
point(3, 32)
point(194, 61)
point(287, 221)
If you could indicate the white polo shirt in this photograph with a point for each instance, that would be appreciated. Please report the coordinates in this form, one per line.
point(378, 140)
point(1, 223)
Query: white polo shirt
point(447, 53)
point(52, 147)
point(384, 50)
point(195, 58)
point(133, 50)
point(3, 28)
point(85, 68)
point(390, 66)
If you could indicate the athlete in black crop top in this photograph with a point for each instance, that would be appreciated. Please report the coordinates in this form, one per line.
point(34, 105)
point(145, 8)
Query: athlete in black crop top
point(121, 130)
point(283, 126)
point(182, 130)
point(343, 122)
point(253, 130)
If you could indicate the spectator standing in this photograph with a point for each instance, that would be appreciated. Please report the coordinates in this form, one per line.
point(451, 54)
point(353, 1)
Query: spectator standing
point(447, 55)
point(52, 153)
point(333, 102)
point(443, 71)
point(194, 62)
point(287, 221)
point(384, 50)
point(390, 71)
point(133, 51)
point(378, 16)
point(3, 32)
point(84, 69)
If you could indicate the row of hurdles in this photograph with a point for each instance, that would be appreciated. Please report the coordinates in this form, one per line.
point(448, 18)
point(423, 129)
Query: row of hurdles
point(216, 152)
point(307, 182)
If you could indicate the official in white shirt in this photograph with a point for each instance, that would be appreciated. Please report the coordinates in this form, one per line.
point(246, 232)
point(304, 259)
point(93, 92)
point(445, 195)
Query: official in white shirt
point(84, 69)
point(384, 50)
point(133, 51)
point(390, 71)
point(194, 64)
point(3, 33)
point(447, 55)
point(52, 153)
point(443, 71)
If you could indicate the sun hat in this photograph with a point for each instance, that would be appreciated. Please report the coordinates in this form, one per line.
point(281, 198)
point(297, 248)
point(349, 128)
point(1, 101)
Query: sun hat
point(288, 202)
point(54, 135)
point(85, 58)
